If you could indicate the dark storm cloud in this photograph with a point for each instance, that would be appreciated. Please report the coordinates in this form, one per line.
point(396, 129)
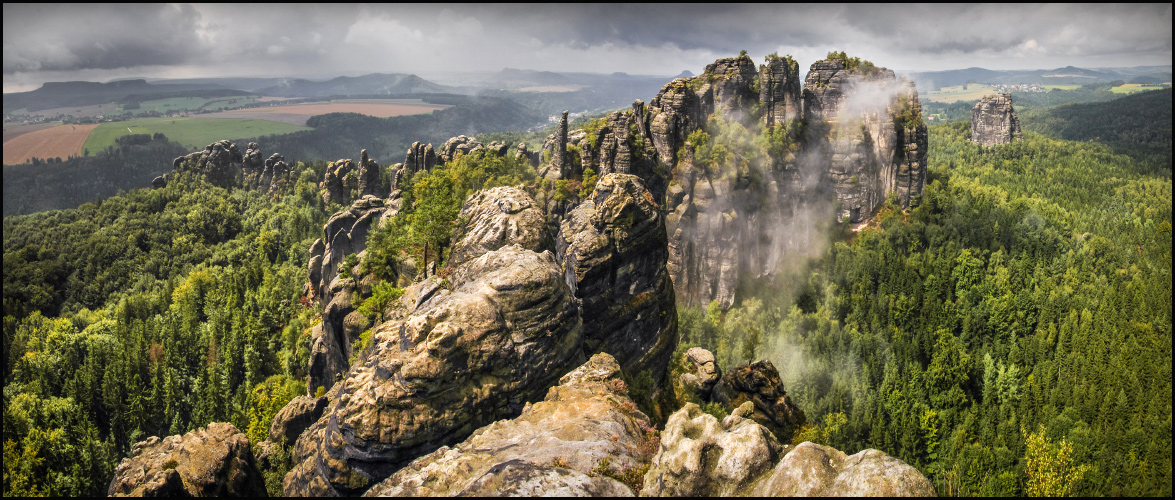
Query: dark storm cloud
point(48, 37)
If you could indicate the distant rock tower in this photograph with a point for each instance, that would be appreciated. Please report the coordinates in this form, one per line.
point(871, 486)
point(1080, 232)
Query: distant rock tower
point(560, 153)
point(993, 121)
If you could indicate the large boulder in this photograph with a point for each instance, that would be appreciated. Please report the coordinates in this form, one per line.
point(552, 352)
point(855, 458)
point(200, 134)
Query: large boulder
point(460, 145)
point(701, 457)
point(759, 384)
point(462, 353)
point(552, 448)
point(370, 181)
point(815, 470)
point(993, 121)
point(613, 249)
point(495, 217)
point(210, 461)
point(216, 162)
point(701, 374)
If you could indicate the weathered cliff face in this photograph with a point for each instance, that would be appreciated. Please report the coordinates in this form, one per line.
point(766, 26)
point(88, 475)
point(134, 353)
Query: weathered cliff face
point(779, 91)
point(497, 217)
point(756, 383)
point(458, 145)
point(613, 250)
point(993, 121)
point(699, 456)
point(217, 162)
point(210, 461)
point(470, 351)
point(345, 233)
point(550, 449)
point(868, 127)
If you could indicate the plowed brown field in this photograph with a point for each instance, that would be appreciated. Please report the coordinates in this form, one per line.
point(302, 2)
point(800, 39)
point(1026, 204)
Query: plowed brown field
point(297, 114)
point(63, 141)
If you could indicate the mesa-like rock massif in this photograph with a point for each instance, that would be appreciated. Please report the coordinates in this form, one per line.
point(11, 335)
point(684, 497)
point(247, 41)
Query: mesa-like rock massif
point(993, 121)
point(509, 370)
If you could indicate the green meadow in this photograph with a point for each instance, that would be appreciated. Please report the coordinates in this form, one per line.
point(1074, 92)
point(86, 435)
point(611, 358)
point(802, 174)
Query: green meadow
point(191, 132)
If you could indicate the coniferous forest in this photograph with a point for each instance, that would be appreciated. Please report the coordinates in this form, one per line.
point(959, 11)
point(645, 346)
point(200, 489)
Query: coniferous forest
point(1011, 335)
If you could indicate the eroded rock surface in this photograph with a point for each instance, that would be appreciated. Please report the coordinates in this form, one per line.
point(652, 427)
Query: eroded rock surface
point(702, 373)
point(499, 334)
point(217, 162)
point(547, 450)
point(699, 456)
point(759, 383)
point(498, 216)
point(613, 250)
point(815, 470)
point(210, 461)
point(993, 121)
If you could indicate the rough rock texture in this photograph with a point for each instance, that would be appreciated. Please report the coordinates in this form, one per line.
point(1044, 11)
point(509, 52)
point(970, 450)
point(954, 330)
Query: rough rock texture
point(344, 233)
point(420, 157)
point(560, 152)
point(464, 353)
point(993, 121)
point(779, 91)
point(337, 183)
point(159, 182)
point(613, 251)
point(211, 461)
point(759, 383)
point(677, 110)
point(700, 457)
point(369, 177)
point(459, 145)
point(216, 162)
point(496, 217)
point(814, 470)
point(252, 165)
point(702, 373)
point(868, 128)
point(274, 177)
point(547, 450)
point(731, 78)
point(295, 417)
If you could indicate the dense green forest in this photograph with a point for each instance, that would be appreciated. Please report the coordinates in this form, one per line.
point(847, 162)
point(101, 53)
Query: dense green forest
point(1009, 336)
point(1021, 314)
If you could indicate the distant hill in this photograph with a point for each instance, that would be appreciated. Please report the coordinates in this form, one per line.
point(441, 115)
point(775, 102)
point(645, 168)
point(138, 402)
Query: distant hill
point(685, 74)
point(1069, 75)
point(62, 94)
point(1138, 125)
point(367, 85)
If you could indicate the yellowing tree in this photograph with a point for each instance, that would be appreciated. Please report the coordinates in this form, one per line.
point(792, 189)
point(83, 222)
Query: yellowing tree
point(1049, 468)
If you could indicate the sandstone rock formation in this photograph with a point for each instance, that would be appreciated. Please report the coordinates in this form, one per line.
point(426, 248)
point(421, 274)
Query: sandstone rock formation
point(550, 449)
point(252, 166)
point(759, 384)
point(274, 176)
point(345, 233)
point(814, 470)
point(159, 182)
point(700, 457)
point(702, 373)
point(420, 157)
point(498, 216)
point(370, 183)
point(779, 91)
point(211, 461)
point(560, 149)
point(993, 121)
point(613, 250)
point(463, 354)
point(459, 145)
point(216, 162)
point(340, 178)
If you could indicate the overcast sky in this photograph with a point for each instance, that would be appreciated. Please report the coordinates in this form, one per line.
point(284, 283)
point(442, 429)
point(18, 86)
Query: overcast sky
point(53, 42)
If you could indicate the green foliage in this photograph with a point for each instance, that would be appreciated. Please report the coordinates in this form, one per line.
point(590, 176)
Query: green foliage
point(383, 294)
point(1049, 469)
point(866, 68)
point(589, 183)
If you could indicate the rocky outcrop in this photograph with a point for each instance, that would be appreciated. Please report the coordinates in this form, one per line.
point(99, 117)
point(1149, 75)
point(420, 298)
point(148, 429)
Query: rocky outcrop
point(497, 217)
point(340, 178)
point(345, 233)
point(993, 121)
point(216, 162)
point(295, 417)
point(699, 456)
point(759, 384)
point(815, 470)
point(274, 176)
point(613, 250)
point(554, 447)
point(252, 166)
point(370, 183)
point(732, 79)
point(461, 144)
point(210, 461)
point(702, 373)
point(558, 158)
point(779, 91)
point(678, 109)
point(464, 352)
point(420, 157)
point(159, 182)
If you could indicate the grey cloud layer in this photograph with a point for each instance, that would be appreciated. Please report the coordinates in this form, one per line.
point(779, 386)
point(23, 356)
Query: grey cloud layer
point(636, 38)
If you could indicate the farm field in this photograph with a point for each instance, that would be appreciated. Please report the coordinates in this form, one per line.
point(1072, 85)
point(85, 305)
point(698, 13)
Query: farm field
point(297, 114)
point(1131, 88)
point(973, 92)
point(192, 132)
point(191, 104)
point(78, 111)
point(60, 141)
point(12, 131)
